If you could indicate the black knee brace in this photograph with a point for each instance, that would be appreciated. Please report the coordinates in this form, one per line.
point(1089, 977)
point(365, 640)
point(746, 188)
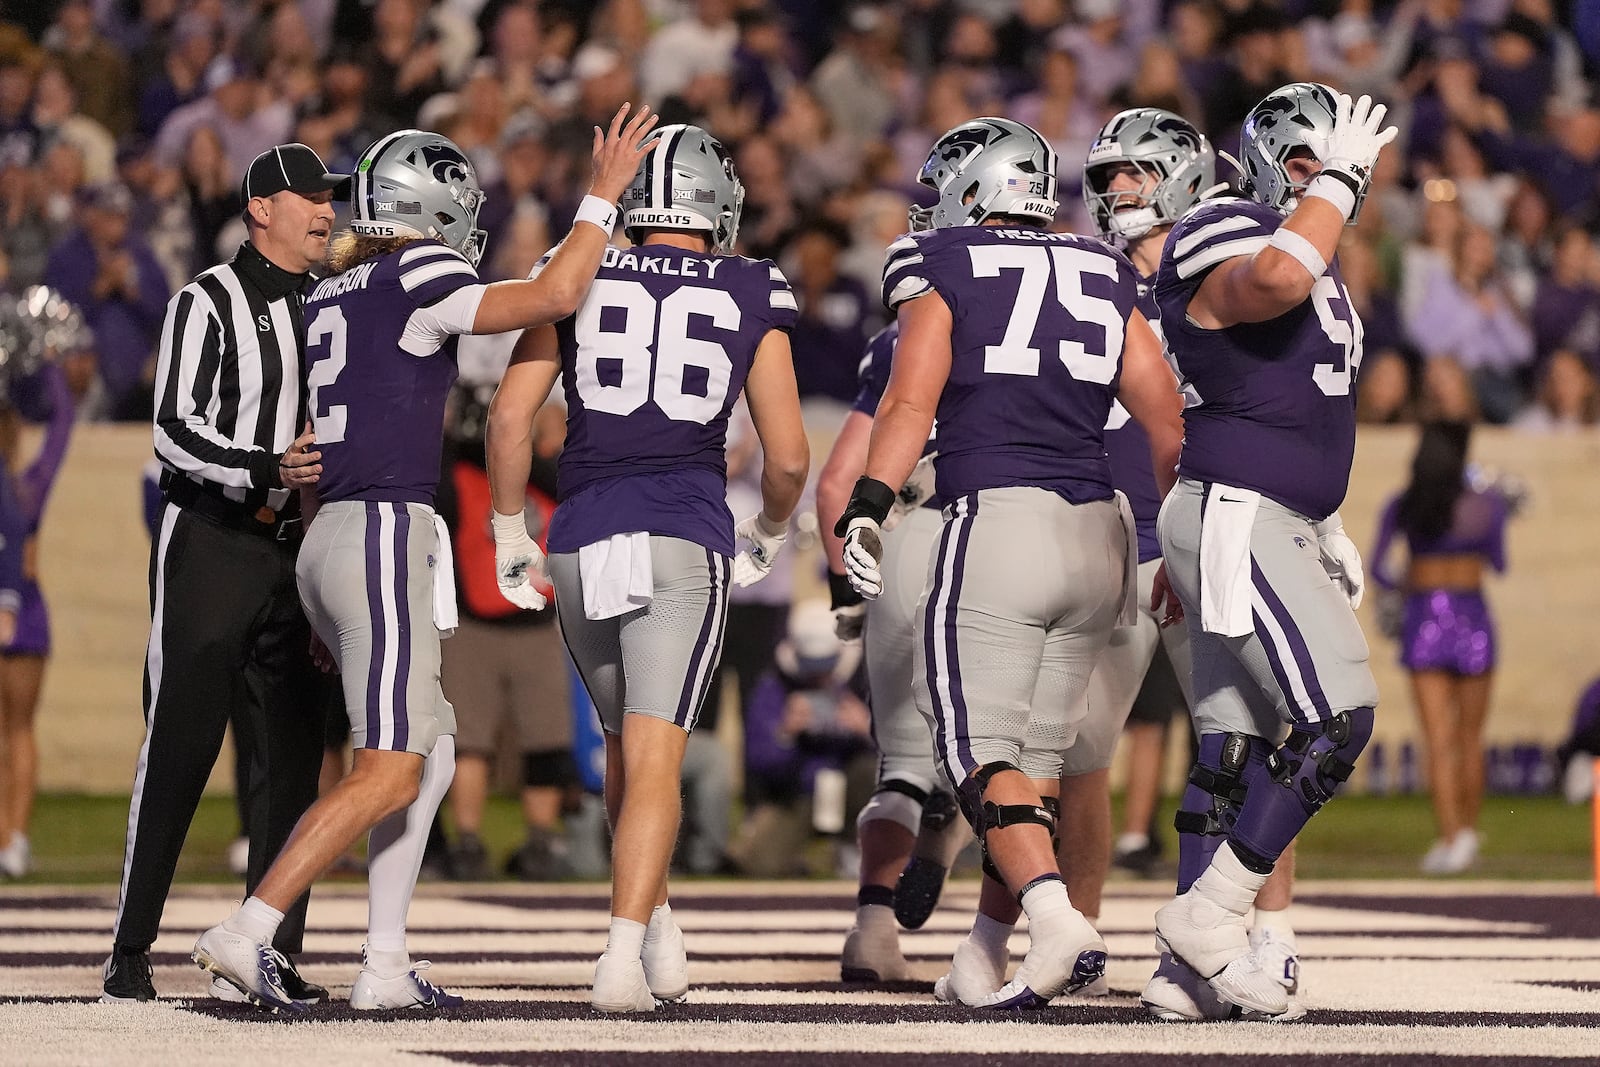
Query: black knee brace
point(1318, 758)
point(553, 769)
point(1214, 795)
point(985, 815)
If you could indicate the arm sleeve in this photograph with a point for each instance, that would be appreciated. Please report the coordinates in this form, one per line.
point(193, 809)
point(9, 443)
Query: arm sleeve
point(41, 474)
point(1377, 561)
point(187, 371)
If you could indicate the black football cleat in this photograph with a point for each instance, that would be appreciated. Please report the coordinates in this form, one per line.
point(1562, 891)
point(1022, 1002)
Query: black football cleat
point(126, 977)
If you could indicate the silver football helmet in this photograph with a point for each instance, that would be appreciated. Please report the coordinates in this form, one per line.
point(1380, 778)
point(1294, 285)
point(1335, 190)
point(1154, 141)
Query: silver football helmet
point(1162, 147)
point(418, 184)
point(987, 167)
point(1291, 121)
point(687, 182)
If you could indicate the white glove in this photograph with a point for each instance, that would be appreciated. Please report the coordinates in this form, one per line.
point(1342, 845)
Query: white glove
point(1352, 149)
point(863, 551)
point(848, 622)
point(918, 488)
point(1341, 559)
point(766, 541)
point(517, 558)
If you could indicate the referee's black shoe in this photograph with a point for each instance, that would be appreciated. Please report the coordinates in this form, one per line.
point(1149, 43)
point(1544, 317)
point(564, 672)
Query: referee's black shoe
point(126, 978)
point(297, 987)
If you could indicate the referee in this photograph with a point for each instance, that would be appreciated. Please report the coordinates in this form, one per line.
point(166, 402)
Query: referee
point(228, 638)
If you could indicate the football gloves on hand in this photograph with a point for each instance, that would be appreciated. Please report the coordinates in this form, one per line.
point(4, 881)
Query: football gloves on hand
point(766, 541)
point(517, 558)
point(1341, 559)
point(1353, 146)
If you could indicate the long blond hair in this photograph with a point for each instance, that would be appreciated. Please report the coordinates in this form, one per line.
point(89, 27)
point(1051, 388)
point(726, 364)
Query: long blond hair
point(352, 249)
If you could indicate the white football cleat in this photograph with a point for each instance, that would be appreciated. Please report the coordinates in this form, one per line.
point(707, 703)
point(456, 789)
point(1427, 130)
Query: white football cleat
point(974, 975)
point(620, 985)
point(872, 954)
point(226, 991)
point(666, 964)
point(1176, 994)
point(1065, 958)
point(251, 967)
point(410, 990)
point(1276, 953)
point(1204, 929)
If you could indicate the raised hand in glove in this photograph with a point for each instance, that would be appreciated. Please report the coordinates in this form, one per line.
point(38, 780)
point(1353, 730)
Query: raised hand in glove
point(517, 558)
point(766, 541)
point(1352, 149)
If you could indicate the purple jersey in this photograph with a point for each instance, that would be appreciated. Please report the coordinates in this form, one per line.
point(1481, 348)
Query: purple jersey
point(1128, 449)
point(872, 378)
point(652, 363)
point(380, 361)
point(1276, 409)
point(1038, 321)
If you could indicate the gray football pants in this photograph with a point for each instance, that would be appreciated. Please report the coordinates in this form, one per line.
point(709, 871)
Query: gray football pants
point(1306, 660)
point(656, 660)
point(365, 575)
point(1021, 596)
point(903, 736)
point(1118, 676)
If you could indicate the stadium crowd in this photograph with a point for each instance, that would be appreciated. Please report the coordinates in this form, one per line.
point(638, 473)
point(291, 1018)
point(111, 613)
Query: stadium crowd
point(126, 125)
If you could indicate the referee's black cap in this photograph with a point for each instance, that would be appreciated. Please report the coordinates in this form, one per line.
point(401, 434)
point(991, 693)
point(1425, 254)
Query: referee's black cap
point(292, 167)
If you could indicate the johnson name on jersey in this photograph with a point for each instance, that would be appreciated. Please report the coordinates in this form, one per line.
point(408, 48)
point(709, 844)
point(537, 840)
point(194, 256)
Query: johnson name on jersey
point(1276, 409)
point(381, 357)
point(652, 363)
point(1038, 324)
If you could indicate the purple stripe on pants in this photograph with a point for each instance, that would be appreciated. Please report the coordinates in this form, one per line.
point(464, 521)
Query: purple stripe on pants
point(929, 628)
point(957, 571)
point(1297, 648)
point(402, 607)
point(688, 699)
point(375, 619)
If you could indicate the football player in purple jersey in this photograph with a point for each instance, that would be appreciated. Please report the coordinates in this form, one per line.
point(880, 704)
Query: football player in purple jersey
point(642, 546)
point(1019, 340)
point(1264, 333)
point(374, 572)
point(1145, 170)
point(907, 831)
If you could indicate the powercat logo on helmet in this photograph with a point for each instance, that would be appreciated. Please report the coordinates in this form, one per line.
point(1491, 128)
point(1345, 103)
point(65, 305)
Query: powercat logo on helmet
point(444, 163)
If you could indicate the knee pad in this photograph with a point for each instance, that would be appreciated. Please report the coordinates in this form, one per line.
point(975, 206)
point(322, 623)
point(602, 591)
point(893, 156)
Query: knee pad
point(896, 801)
point(1319, 757)
point(1217, 784)
point(553, 769)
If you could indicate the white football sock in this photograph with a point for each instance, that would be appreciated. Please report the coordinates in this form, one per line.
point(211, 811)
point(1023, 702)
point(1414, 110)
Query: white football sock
point(394, 855)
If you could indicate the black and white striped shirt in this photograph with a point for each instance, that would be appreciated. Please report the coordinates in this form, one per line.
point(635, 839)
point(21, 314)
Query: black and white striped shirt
point(229, 381)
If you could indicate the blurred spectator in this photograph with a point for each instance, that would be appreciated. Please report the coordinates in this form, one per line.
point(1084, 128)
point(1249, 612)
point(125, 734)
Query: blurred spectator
point(769, 206)
point(1384, 385)
point(687, 48)
point(343, 114)
point(473, 117)
point(1025, 32)
point(234, 107)
point(213, 196)
point(1105, 58)
point(1483, 194)
point(1566, 397)
point(19, 137)
point(819, 157)
point(806, 733)
point(1055, 109)
point(1158, 82)
point(1527, 246)
point(97, 69)
point(57, 116)
point(836, 314)
point(1196, 28)
point(402, 59)
point(1255, 67)
point(108, 270)
point(762, 77)
point(1433, 249)
point(1466, 316)
point(855, 82)
point(1566, 306)
point(26, 230)
point(181, 79)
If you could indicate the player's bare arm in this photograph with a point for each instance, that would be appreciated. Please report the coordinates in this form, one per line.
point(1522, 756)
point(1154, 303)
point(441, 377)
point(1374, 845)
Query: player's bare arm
point(844, 465)
point(561, 285)
point(916, 381)
point(774, 401)
point(526, 384)
point(1279, 277)
point(1149, 391)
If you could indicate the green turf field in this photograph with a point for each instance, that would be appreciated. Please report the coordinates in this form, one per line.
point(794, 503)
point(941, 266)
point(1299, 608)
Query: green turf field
point(79, 839)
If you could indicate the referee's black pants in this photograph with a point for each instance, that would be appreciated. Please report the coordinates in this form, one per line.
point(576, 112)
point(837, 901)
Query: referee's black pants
point(228, 639)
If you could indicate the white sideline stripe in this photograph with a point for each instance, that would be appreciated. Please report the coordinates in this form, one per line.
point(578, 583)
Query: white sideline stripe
point(153, 660)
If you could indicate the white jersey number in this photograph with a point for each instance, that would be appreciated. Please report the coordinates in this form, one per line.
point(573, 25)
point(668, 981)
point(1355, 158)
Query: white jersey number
point(1014, 354)
point(1344, 330)
point(328, 327)
point(653, 349)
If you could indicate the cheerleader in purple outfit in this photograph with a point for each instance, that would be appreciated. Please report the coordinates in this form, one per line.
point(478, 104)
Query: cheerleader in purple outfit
point(1453, 531)
point(23, 492)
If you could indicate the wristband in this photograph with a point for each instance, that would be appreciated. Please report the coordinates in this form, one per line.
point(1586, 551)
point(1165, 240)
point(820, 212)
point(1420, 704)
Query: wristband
point(870, 499)
point(841, 594)
point(597, 212)
point(1337, 189)
point(508, 527)
point(1300, 250)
